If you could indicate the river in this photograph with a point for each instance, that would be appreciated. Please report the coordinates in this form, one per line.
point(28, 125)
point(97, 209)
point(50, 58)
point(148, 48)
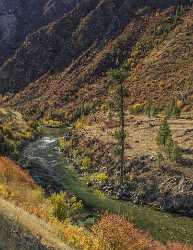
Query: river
point(43, 160)
point(48, 167)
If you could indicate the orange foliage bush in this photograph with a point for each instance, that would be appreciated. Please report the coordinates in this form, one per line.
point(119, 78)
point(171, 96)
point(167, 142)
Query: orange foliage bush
point(116, 233)
point(18, 186)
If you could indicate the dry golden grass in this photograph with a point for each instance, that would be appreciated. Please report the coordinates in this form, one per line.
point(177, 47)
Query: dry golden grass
point(141, 133)
point(33, 225)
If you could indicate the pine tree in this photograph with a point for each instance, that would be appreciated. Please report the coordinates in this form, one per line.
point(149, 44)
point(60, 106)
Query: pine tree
point(165, 141)
point(118, 77)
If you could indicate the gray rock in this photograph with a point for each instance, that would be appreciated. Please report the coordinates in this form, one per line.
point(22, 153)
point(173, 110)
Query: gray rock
point(166, 187)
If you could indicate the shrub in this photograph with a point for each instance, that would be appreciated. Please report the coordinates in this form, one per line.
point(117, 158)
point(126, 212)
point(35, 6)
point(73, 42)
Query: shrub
point(116, 233)
point(99, 177)
point(52, 123)
point(63, 207)
point(173, 151)
point(58, 115)
point(8, 147)
point(164, 133)
point(141, 49)
point(86, 163)
point(177, 246)
point(7, 132)
point(160, 157)
point(151, 109)
point(79, 124)
point(117, 150)
point(26, 134)
point(137, 108)
point(165, 141)
point(84, 110)
point(64, 144)
point(80, 238)
point(166, 25)
point(118, 135)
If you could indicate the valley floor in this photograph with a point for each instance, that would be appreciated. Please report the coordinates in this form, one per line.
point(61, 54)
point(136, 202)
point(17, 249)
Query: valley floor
point(162, 226)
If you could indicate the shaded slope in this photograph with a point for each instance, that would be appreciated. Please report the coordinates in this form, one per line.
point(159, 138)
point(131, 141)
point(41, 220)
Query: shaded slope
point(19, 18)
point(42, 49)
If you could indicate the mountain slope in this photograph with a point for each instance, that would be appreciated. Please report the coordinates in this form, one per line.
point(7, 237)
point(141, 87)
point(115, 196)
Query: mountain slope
point(65, 62)
point(167, 70)
point(18, 18)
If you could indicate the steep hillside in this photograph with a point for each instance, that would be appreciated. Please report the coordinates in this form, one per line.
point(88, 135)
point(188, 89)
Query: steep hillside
point(18, 18)
point(20, 230)
point(166, 70)
point(65, 63)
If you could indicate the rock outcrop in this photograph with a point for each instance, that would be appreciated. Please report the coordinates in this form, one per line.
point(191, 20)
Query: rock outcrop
point(166, 186)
